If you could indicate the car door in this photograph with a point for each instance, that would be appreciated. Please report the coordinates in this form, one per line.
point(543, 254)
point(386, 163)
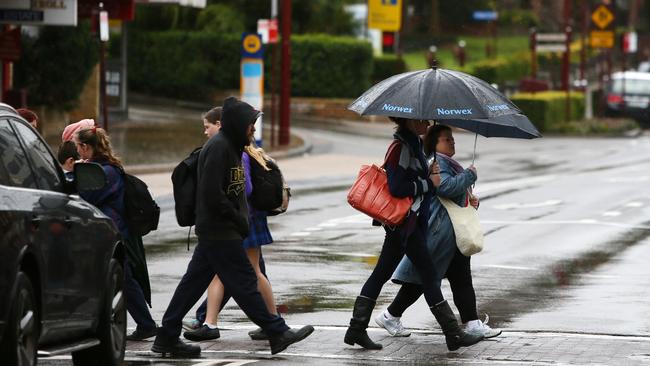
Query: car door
point(71, 282)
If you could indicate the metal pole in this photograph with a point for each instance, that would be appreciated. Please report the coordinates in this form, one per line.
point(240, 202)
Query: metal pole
point(123, 83)
point(533, 53)
point(274, 57)
point(102, 75)
point(285, 73)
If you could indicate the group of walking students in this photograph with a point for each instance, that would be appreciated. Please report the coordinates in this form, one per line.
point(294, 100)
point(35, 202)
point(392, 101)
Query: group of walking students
point(228, 262)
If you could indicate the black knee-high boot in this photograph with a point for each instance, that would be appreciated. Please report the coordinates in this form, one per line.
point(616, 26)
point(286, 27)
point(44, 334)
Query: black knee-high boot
point(454, 336)
point(356, 332)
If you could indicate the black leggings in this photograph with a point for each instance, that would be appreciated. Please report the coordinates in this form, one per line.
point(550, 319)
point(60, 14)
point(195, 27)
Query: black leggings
point(459, 276)
point(392, 253)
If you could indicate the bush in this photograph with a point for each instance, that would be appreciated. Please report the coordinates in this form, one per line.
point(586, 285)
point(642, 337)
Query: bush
point(548, 109)
point(55, 66)
point(329, 66)
point(191, 65)
point(500, 70)
point(186, 65)
point(386, 66)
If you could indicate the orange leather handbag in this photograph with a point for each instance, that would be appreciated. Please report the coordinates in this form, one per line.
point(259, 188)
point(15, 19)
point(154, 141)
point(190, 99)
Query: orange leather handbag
point(370, 195)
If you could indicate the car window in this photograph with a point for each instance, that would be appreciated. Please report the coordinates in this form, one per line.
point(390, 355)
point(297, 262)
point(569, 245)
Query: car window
point(13, 158)
point(632, 86)
point(45, 167)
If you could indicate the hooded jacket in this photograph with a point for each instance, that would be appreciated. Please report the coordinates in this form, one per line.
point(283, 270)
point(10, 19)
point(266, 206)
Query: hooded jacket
point(221, 208)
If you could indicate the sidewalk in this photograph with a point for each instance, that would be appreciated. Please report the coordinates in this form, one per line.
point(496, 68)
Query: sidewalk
point(511, 347)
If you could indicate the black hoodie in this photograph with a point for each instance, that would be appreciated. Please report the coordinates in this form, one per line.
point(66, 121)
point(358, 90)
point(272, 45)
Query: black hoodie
point(221, 209)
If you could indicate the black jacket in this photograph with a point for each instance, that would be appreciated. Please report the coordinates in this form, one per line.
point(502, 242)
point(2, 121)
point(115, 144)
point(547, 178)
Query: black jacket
point(221, 208)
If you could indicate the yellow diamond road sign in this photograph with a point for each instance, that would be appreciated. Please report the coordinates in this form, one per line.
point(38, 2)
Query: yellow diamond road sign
point(602, 16)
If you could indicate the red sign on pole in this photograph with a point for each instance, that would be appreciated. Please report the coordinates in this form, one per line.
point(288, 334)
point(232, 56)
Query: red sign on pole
point(10, 45)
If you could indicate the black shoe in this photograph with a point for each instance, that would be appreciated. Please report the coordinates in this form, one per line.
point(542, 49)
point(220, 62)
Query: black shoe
point(258, 335)
point(175, 348)
point(281, 342)
point(140, 335)
point(204, 333)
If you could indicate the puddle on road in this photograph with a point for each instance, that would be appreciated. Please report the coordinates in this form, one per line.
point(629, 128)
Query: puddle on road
point(543, 289)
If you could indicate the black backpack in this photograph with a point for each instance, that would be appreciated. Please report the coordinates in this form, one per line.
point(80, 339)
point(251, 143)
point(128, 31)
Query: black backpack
point(184, 182)
point(268, 186)
point(141, 211)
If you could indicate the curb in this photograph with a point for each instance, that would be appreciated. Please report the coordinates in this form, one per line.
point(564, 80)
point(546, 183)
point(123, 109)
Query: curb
point(168, 167)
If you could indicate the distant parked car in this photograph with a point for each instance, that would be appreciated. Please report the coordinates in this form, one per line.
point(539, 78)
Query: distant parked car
point(61, 276)
point(628, 95)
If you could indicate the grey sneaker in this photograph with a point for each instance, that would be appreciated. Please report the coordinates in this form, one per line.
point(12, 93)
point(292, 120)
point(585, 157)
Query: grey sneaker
point(191, 324)
point(392, 325)
point(478, 327)
point(204, 333)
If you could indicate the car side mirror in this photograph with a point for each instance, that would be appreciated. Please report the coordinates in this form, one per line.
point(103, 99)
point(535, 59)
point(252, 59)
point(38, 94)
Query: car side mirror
point(89, 177)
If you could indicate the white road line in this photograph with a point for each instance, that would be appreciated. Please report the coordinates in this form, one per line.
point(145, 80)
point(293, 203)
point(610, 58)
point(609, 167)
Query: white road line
point(300, 233)
point(510, 206)
point(313, 229)
point(634, 204)
point(565, 222)
point(508, 267)
point(612, 213)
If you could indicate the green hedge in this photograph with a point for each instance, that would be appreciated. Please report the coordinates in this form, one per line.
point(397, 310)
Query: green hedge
point(386, 66)
point(546, 109)
point(190, 65)
point(186, 65)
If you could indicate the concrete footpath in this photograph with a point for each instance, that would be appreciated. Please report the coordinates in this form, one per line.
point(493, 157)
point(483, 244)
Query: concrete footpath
point(512, 348)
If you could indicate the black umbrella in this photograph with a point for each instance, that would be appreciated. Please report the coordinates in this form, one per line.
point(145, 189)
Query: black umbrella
point(434, 94)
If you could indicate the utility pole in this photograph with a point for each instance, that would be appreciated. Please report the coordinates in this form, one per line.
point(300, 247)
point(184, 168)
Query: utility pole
point(566, 59)
point(274, 57)
point(285, 74)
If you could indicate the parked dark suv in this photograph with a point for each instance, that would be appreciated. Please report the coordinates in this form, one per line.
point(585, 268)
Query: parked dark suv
point(61, 275)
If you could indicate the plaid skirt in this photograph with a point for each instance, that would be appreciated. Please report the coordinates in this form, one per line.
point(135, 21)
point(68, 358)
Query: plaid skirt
point(259, 233)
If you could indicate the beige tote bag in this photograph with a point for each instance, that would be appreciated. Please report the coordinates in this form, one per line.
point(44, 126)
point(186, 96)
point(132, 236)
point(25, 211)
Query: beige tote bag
point(467, 228)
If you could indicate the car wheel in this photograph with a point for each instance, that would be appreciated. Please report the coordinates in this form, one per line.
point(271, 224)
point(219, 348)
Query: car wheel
point(20, 341)
point(111, 330)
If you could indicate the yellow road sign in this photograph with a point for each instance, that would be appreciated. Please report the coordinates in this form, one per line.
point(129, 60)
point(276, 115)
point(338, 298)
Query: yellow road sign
point(602, 16)
point(601, 39)
point(252, 43)
point(385, 15)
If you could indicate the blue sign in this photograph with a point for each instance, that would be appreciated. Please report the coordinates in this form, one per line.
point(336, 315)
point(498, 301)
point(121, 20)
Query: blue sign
point(484, 15)
point(251, 46)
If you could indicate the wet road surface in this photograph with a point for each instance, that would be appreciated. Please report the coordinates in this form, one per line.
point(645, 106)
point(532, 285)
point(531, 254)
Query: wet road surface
point(566, 251)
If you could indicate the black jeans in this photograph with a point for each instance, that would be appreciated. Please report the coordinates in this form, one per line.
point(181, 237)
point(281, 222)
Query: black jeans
point(227, 259)
point(459, 276)
point(203, 308)
point(391, 254)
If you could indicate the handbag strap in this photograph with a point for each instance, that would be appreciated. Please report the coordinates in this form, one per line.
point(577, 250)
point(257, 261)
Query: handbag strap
point(391, 147)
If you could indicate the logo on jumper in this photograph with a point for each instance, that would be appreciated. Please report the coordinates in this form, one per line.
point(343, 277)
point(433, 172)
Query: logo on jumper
point(237, 180)
point(397, 108)
point(499, 107)
point(453, 112)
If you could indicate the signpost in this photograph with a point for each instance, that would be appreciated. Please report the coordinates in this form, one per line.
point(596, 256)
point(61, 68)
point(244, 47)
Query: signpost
point(602, 25)
point(251, 84)
point(385, 15)
point(20, 12)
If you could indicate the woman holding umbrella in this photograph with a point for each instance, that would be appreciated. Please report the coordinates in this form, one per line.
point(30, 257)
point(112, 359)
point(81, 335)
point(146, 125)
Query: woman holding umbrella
point(455, 184)
point(408, 176)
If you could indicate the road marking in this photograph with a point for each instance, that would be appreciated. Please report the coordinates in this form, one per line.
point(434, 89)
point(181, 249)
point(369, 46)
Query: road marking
point(508, 267)
point(611, 213)
point(634, 204)
point(300, 233)
point(566, 222)
point(314, 229)
point(510, 206)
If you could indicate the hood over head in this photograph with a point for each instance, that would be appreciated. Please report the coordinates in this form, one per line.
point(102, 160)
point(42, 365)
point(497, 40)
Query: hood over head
point(236, 116)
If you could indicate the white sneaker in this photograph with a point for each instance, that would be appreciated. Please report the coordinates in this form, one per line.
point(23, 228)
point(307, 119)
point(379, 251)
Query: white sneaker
point(477, 327)
point(392, 324)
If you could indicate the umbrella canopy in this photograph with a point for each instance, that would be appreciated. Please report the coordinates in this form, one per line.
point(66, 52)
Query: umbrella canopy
point(512, 125)
point(437, 94)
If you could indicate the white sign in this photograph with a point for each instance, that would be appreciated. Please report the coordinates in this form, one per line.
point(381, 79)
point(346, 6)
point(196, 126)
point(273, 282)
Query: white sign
point(252, 89)
point(41, 12)
point(103, 26)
